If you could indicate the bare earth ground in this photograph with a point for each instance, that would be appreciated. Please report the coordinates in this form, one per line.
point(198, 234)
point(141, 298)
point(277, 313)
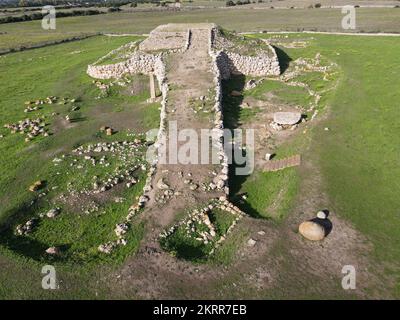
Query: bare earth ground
point(281, 264)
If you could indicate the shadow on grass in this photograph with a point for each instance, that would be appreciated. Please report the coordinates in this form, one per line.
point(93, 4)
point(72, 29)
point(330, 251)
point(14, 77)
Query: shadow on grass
point(190, 252)
point(21, 244)
point(25, 245)
point(232, 111)
point(284, 59)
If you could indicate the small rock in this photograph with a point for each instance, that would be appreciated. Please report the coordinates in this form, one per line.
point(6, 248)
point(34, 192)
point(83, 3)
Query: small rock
point(236, 93)
point(53, 251)
point(193, 186)
point(251, 242)
point(109, 131)
point(162, 185)
point(53, 213)
point(36, 186)
point(268, 156)
point(321, 215)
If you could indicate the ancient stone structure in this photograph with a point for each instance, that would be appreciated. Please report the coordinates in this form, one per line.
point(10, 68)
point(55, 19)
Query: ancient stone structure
point(144, 59)
point(148, 58)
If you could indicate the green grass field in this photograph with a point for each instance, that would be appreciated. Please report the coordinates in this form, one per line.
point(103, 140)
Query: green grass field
point(35, 75)
point(358, 156)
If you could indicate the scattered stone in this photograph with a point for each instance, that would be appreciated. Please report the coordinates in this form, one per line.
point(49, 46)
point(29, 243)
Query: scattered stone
point(52, 213)
point(250, 84)
point(53, 251)
point(121, 229)
point(27, 228)
point(162, 185)
point(312, 231)
point(109, 131)
point(193, 186)
point(106, 247)
point(36, 186)
point(261, 233)
point(268, 156)
point(251, 242)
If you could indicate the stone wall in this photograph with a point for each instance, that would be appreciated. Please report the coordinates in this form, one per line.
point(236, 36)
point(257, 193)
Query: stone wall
point(138, 63)
point(258, 66)
point(221, 180)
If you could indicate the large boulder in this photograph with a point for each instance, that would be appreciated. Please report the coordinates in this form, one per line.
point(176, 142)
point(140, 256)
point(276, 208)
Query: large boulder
point(312, 230)
point(287, 118)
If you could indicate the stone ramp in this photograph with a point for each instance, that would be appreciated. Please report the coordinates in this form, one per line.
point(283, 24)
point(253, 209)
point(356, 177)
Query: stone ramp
point(190, 74)
point(276, 165)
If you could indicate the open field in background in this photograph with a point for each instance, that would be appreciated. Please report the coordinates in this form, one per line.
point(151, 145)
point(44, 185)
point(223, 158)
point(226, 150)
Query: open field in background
point(20, 13)
point(15, 35)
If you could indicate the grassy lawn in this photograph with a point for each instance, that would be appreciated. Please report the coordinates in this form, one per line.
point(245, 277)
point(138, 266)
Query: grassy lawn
point(60, 71)
point(358, 155)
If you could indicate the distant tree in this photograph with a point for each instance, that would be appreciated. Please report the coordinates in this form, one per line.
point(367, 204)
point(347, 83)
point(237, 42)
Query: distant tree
point(230, 3)
point(317, 5)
